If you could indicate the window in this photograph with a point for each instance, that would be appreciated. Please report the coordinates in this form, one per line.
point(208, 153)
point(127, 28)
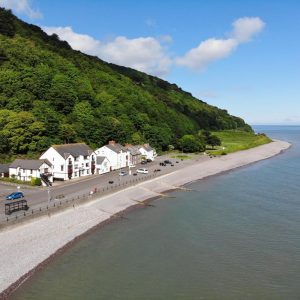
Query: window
point(62, 168)
point(86, 157)
point(31, 171)
point(87, 164)
point(87, 172)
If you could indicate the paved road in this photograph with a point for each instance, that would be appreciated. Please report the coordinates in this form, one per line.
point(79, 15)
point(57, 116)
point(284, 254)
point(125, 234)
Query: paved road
point(78, 187)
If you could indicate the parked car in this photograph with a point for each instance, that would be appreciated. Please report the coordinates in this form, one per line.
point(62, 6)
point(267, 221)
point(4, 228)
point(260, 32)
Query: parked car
point(13, 196)
point(122, 173)
point(142, 170)
point(162, 164)
point(149, 160)
point(143, 162)
point(167, 161)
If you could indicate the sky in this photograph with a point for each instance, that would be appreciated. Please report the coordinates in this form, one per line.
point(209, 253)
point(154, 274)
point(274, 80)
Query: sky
point(239, 55)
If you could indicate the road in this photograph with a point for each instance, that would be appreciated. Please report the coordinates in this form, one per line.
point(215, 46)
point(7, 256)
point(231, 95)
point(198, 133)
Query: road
point(84, 185)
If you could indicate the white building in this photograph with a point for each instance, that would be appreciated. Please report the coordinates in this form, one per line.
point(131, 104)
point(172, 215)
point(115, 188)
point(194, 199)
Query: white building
point(102, 165)
point(26, 169)
point(71, 160)
point(117, 155)
point(147, 152)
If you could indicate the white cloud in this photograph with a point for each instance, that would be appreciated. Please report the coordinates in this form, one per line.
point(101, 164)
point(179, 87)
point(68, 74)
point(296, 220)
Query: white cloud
point(82, 42)
point(151, 55)
point(245, 28)
point(207, 52)
point(214, 49)
point(146, 54)
point(21, 7)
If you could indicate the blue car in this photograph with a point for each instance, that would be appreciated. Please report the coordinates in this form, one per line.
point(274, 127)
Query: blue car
point(16, 195)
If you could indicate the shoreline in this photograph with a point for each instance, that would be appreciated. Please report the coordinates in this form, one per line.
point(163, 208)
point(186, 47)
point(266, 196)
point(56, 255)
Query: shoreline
point(40, 240)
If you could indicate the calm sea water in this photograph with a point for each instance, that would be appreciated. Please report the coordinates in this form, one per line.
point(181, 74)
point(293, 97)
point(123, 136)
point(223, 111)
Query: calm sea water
point(235, 236)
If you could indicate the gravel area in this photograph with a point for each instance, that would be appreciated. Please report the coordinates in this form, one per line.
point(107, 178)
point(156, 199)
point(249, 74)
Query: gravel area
point(25, 246)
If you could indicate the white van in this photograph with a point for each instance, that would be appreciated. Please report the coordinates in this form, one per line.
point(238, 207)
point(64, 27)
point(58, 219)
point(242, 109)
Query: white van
point(142, 170)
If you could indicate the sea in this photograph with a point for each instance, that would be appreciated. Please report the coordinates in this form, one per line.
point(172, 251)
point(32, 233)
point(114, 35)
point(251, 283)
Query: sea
point(231, 236)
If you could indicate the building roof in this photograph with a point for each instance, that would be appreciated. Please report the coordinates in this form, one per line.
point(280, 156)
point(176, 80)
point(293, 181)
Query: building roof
point(75, 150)
point(116, 147)
point(29, 164)
point(147, 147)
point(134, 150)
point(4, 168)
point(100, 159)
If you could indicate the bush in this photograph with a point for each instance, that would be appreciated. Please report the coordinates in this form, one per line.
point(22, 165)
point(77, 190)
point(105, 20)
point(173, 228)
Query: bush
point(36, 181)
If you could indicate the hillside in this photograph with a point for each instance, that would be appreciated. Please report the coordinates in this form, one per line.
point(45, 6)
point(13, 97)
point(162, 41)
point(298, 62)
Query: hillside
point(50, 93)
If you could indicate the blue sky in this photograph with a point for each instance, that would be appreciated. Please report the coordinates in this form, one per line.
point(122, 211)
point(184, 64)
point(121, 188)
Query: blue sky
point(243, 56)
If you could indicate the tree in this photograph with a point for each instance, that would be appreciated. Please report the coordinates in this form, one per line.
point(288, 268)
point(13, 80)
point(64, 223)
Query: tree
point(62, 94)
point(190, 143)
point(213, 141)
point(67, 133)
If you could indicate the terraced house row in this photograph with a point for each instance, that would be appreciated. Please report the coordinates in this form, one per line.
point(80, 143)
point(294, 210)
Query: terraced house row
point(68, 161)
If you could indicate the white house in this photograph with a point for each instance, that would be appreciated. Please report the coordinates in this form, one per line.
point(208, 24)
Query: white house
point(102, 165)
point(25, 169)
point(117, 155)
point(71, 160)
point(147, 151)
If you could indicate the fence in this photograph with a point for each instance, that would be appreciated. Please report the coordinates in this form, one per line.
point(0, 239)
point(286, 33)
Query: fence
point(60, 203)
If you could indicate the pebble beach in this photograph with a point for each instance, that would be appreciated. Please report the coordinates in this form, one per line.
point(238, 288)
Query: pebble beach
point(27, 247)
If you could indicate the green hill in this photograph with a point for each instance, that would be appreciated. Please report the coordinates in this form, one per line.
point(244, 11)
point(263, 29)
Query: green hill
point(50, 93)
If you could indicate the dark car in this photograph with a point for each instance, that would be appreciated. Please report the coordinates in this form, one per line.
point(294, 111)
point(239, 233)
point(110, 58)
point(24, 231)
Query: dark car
point(13, 196)
point(143, 162)
point(167, 162)
point(149, 160)
point(162, 164)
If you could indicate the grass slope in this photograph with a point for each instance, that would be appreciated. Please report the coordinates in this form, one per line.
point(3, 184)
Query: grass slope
point(233, 141)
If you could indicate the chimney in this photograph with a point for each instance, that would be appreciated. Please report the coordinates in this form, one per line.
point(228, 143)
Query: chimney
point(111, 142)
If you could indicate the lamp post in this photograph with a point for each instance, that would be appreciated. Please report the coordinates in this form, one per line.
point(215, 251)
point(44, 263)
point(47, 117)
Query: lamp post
point(49, 196)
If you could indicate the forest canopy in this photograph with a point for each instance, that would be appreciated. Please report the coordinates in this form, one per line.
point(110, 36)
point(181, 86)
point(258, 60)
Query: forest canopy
point(51, 94)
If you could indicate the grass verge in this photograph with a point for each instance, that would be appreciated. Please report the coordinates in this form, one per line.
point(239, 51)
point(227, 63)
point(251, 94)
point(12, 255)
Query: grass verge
point(233, 141)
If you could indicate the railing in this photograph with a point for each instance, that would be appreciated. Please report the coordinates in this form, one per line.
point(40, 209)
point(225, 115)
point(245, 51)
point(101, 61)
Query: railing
point(61, 202)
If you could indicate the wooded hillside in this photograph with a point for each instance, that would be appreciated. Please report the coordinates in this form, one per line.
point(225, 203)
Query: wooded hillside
point(51, 94)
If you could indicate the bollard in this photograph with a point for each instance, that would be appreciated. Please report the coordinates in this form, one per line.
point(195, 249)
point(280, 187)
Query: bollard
point(24, 214)
point(32, 211)
point(6, 219)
